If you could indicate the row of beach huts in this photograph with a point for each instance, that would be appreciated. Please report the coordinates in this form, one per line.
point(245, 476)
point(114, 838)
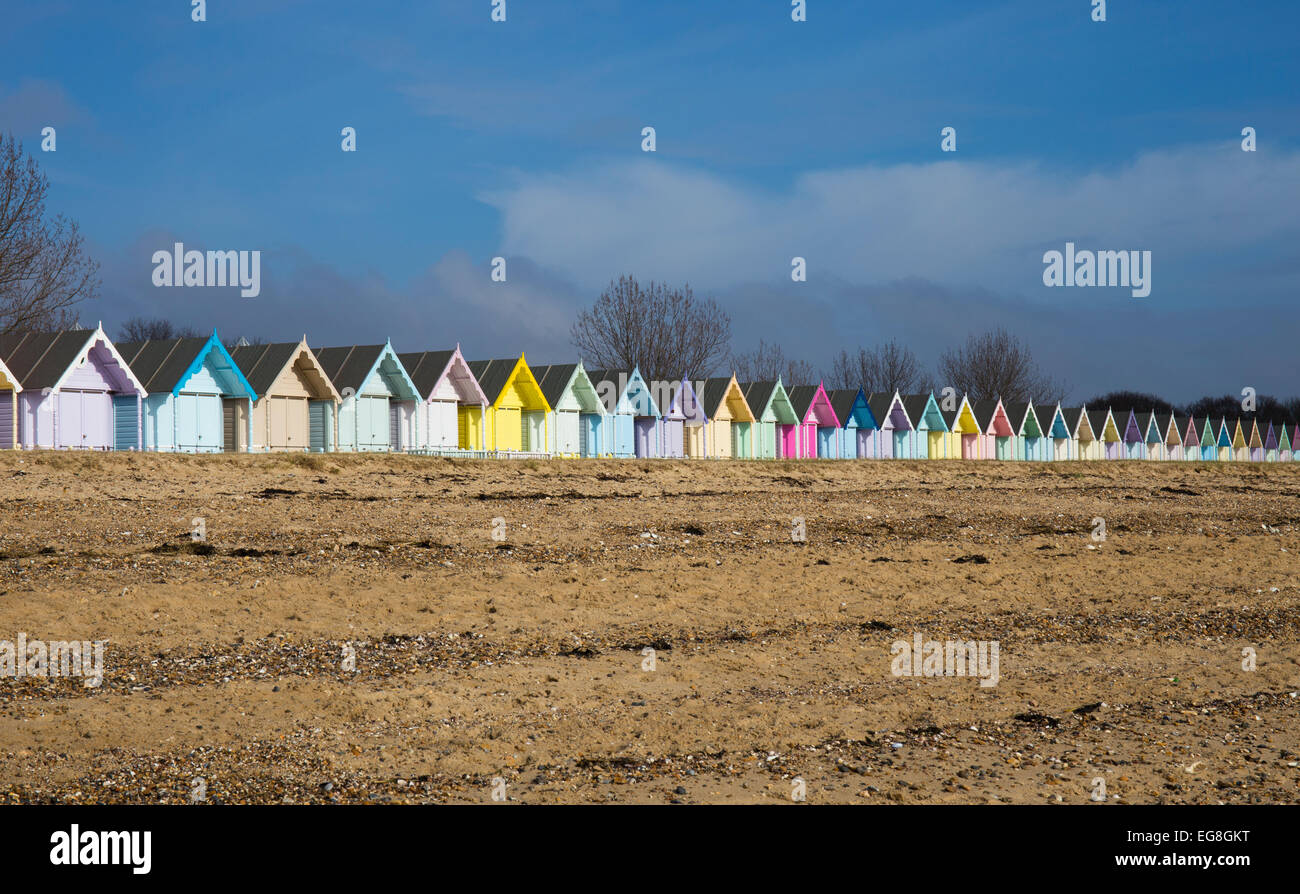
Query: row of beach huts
point(78, 390)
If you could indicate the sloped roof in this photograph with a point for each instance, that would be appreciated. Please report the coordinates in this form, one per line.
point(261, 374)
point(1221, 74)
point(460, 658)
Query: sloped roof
point(160, 363)
point(1016, 412)
point(425, 369)
point(261, 364)
point(1071, 417)
point(880, 404)
point(984, 411)
point(1097, 419)
point(39, 359)
point(553, 379)
point(350, 365)
point(915, 405)
point(757, 394)
point(843, 401)
point(493, 375)
point(715, 390)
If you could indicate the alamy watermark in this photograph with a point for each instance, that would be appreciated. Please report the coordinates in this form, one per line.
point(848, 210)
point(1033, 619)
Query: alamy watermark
point(55, 658)
point(1121, 269)
point(214, 268)
point(953, 658)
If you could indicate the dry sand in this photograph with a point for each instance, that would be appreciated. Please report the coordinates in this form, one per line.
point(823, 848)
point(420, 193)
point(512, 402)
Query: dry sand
point(524, 660)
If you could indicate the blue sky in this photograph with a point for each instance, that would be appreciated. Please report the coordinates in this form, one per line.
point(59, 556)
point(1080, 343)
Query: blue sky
point(818, 139)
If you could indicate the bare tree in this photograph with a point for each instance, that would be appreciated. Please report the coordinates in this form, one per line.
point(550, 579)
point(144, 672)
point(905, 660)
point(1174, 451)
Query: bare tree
point(767, 363)
point(997, 364)
point(43, 270)
point(887, 367)
point(666, 331)
point(141, 329)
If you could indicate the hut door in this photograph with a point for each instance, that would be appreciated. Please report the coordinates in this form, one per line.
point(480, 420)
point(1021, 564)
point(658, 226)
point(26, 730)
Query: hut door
point(229, 430)
point(583, 438)
point(735, 439)
point(318, 426)
point(126, 428)
point(394, 425)
point(6, 420)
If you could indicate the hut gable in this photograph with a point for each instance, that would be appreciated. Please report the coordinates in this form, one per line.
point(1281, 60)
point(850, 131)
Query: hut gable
point(811, 405)
point(371, 370)
point(509, 383)
point(169, 365)
point(443, 375)
point(75, 358)
point(992, 417)
point(851, 406)
point(724, 400)
point(285, 368)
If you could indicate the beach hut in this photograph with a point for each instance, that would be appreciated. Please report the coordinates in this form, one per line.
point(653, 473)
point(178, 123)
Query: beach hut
point(729, 430)
point(775, 420)
point(1209, 439)
point(1055, 432)
point(1255, 442)
point(1285, 444)
point(1240, 444)
point(687, 403)
point(296, 406)
point(1134, 433)
point(449, 415)
point(1189, 447)
point(198, 401)
point(818, 431)
point(10, 388)
point(1223, 440)
point(378, 400)
point(1024, 423)
point(858, 427)
point(1086, 446)
point(578, 416)
point(930, 438)
point(517, 410)
point(964, 430)
point(895, 440)
point(74, 390)
point(996, 434)
point(1107, 433)
point(636, 416)
point(1171, 437)
point(1270, 443)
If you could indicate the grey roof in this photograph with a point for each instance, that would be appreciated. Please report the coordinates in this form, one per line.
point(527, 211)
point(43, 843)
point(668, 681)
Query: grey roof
point(1097, 419)
point(493, 375)
point(553, 379)
point(984, 411)
point(879, 402)
point(801, 398)
point(757, 394)
point(1071, 416)
point(160, 363)
point(1144, 422)
point(425, 369)
point(349, 366)
point(714, 391)
point(915, 405)
point(261, 364)
point(39, 359)
point(842, 401)
point(1016, 413)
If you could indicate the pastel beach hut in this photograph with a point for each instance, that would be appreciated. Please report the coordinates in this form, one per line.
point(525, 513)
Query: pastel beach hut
point(1189, 448)
point(996, 434)
point(74, 390)
point(578, 415)
point(1240, 444)
point(729, 431)
point(818, 432)
point(449, 415)
point(297, 404)
point(930, 437)
point(1209, 440)
point(775, 421)
point(636, 416)
point(672, 419)
point(1057, 444)
point(1086, 445)
point(1107, 433)
point(1287, 444)
point(1134, 434)
point(1255, 442)
point(198, 401)
point(858, 427)
point(10, 388)
point(1270, 443)
point(1153, 437)
point(689, 404)
point(1171, 438)
point(965, 431)
point(895, 441)
point(378, 400)
point(517, 414)
point(1024, 423)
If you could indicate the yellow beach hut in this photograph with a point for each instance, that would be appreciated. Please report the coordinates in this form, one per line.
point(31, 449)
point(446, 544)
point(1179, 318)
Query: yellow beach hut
point(517, 416)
